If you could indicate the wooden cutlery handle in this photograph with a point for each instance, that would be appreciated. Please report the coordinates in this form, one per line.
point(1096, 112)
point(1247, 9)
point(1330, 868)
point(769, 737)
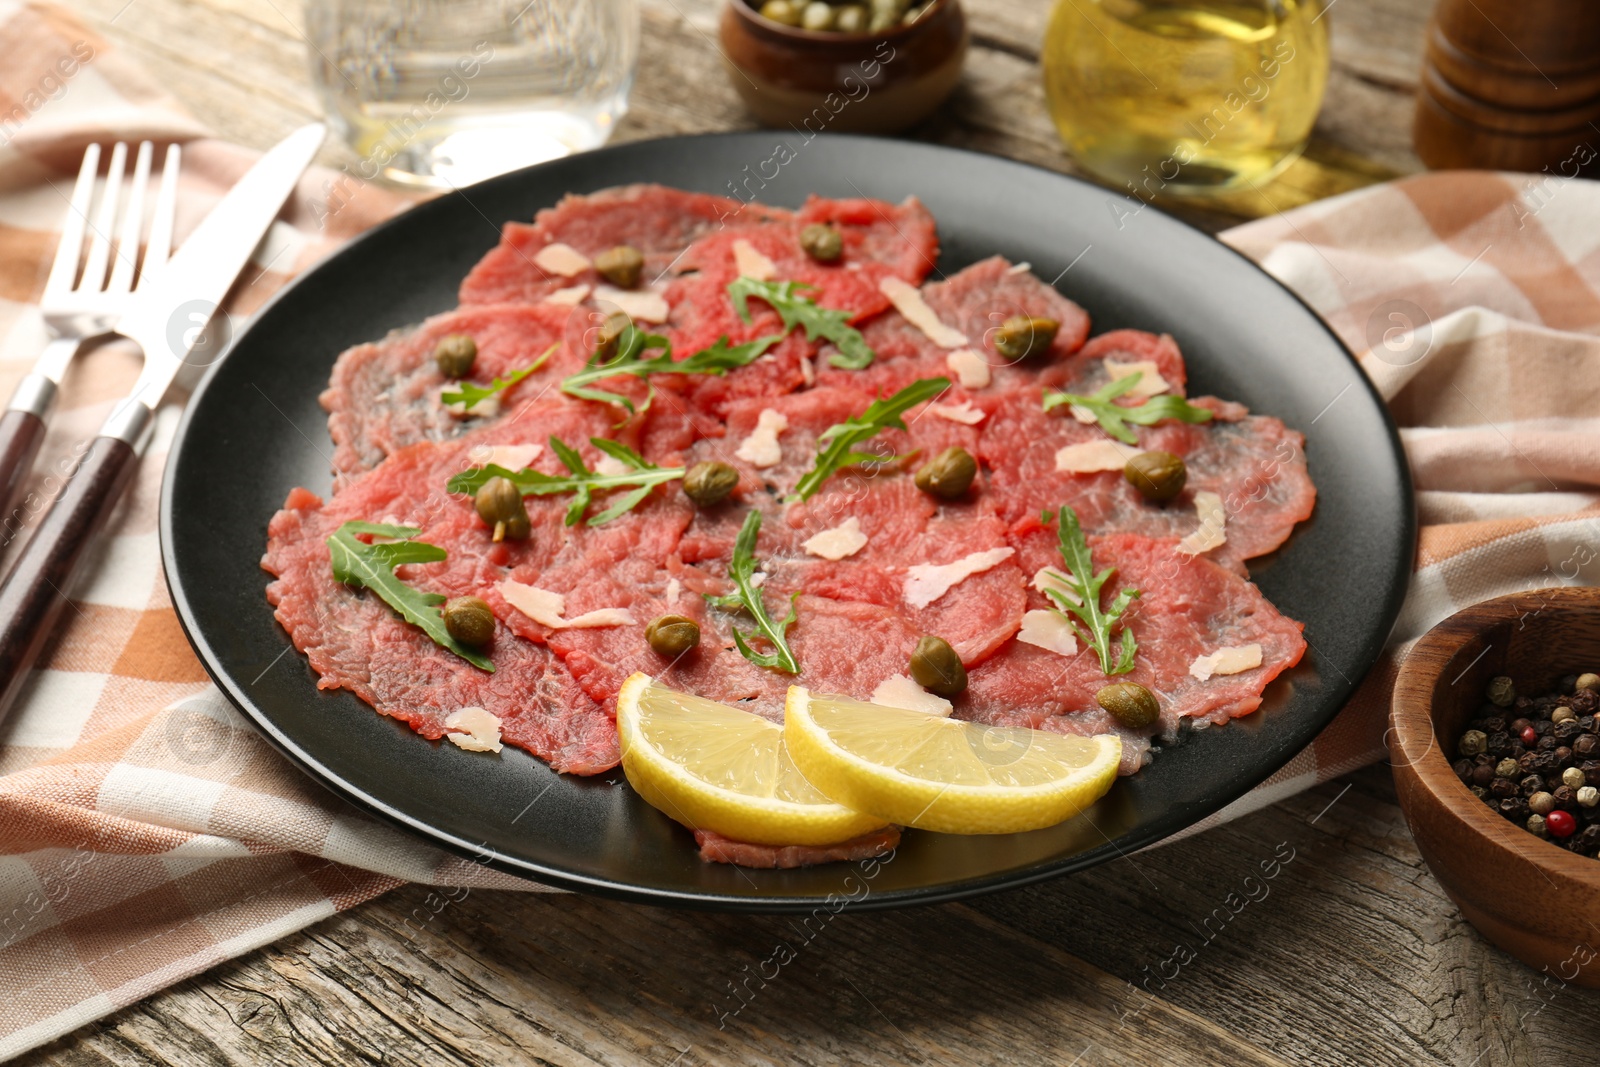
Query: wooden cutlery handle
point(34, 594)
point(21, 434)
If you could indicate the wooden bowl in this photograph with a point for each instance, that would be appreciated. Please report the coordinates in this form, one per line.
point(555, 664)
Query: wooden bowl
point(1533, 899)
point(810, 81)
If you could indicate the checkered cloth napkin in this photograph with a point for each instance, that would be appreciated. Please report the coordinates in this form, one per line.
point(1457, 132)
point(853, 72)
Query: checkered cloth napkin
point(147, 833)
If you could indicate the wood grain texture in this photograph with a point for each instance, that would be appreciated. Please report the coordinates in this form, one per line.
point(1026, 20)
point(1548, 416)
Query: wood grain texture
point(1350, 954)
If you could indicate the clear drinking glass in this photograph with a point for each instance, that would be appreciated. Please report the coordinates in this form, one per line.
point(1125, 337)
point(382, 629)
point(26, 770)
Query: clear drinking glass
point(447, 92)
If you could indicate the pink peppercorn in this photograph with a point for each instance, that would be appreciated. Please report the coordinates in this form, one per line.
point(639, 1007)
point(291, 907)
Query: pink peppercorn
point(1560, 823)
point(1529, 736)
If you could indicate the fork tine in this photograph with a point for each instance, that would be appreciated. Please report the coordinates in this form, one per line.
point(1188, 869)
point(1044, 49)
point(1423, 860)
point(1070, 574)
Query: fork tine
point(105, 219)
point(65, 269)
point(132, 224)
point(160, 244)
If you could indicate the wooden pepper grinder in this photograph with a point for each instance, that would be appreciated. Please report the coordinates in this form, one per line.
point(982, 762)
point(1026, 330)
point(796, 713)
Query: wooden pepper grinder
point(1511, 85)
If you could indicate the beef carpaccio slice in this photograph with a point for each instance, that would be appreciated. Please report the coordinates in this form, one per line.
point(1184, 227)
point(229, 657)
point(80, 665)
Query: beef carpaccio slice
point(714, 848)
point(384, 396)
point(660, 222)
point(1253, 462)
point(1191, 607)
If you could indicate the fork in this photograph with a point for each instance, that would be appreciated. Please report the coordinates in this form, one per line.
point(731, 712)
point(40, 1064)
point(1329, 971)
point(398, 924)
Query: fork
point(77, 307)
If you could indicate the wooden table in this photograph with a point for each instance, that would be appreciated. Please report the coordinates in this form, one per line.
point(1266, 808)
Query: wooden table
point(1353, 956)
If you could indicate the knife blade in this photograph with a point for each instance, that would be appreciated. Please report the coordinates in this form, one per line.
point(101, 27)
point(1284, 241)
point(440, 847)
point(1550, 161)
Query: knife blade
point(194, 282)
point(202, 271)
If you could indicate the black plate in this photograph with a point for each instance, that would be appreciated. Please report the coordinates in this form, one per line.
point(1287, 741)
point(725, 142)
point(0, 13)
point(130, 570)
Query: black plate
point(253, 430)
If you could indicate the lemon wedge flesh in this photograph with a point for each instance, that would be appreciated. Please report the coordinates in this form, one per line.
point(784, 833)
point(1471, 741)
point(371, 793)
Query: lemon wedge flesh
point(942, 774)
point(713, 767)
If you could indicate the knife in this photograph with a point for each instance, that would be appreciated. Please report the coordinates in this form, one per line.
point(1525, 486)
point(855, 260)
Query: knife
point(193, 283)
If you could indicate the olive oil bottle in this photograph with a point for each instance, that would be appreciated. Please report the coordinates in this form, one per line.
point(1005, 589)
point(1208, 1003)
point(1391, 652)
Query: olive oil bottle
point(1185, 98)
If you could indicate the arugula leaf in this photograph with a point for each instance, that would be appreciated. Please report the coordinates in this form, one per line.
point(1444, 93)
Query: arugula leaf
point(642, 476)
point(1114, 418)
point(372, 567)
point(469, 394)
point(632, 343)
point(836, 445)
point(796, 310)
point(1092, 624)
point(747, 596)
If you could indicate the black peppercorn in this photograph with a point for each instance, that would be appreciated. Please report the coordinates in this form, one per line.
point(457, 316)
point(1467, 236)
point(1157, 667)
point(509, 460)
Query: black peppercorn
point(1463, 769)
point(1563, 796)
point(1482, 774)
point(1501, 788)
point(1530, 785)
point(1586, 744)
point(1514, 808)
point(1566, 730)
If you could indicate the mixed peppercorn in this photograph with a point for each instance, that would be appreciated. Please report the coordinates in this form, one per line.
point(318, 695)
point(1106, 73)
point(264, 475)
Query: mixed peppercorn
point(1537, 760)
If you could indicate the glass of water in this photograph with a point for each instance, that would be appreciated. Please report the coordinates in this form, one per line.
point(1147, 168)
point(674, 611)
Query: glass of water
point(441, 93)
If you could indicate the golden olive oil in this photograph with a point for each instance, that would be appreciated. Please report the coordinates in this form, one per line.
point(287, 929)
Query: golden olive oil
point(1185, 98)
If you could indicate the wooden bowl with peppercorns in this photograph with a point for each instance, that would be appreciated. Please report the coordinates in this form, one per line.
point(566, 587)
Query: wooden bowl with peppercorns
point(859, 75)
point(1495, 743)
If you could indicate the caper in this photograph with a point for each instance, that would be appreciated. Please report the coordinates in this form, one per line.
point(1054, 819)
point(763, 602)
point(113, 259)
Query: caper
point(1022, 336)
point(469, 620)
point(672, 635)
point(936, 667)
point(1130, 703)
point(709, 482)
point(608, 333)
point(949, 474)
point(499, 503)
point(850, 18)
point(621, 266)
point(817, 15)
point(782, 12)
point(1157, 475)
point(821, 242)
point(455, 355)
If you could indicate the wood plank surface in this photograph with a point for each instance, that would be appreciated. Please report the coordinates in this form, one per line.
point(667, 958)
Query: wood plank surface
point(1348, 953)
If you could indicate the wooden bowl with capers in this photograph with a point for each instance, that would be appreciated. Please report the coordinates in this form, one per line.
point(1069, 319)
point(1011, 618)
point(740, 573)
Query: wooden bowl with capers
point(851, 66)
point(1493, 737)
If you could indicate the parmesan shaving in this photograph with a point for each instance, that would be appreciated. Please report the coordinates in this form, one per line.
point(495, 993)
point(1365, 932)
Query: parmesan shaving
point(487, 408)
point(509, 457)
point(761, 448)
point(1047, 578)
point(1091, 456)
point(609, 464)
point(569, 297)
point(474, 730)
point(808, 371)
point(547, 608)
point(1211, 533)
point(970, 368)
point(1083, 414)
point(751, 263)
point(640, 305)
point(1020, 268)
point(907, 300)
point(1231, 660)
point(674, 589)
point(927, 582)
point(843, 540)
point(1150, 384)
point(1048, 630)
point(593, 620)
point(963, 412)
point(899, 691)
point(560, 259)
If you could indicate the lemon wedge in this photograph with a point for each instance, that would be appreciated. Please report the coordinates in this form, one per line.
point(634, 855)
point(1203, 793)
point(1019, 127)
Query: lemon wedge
point(713, 767)
point(942, 774)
